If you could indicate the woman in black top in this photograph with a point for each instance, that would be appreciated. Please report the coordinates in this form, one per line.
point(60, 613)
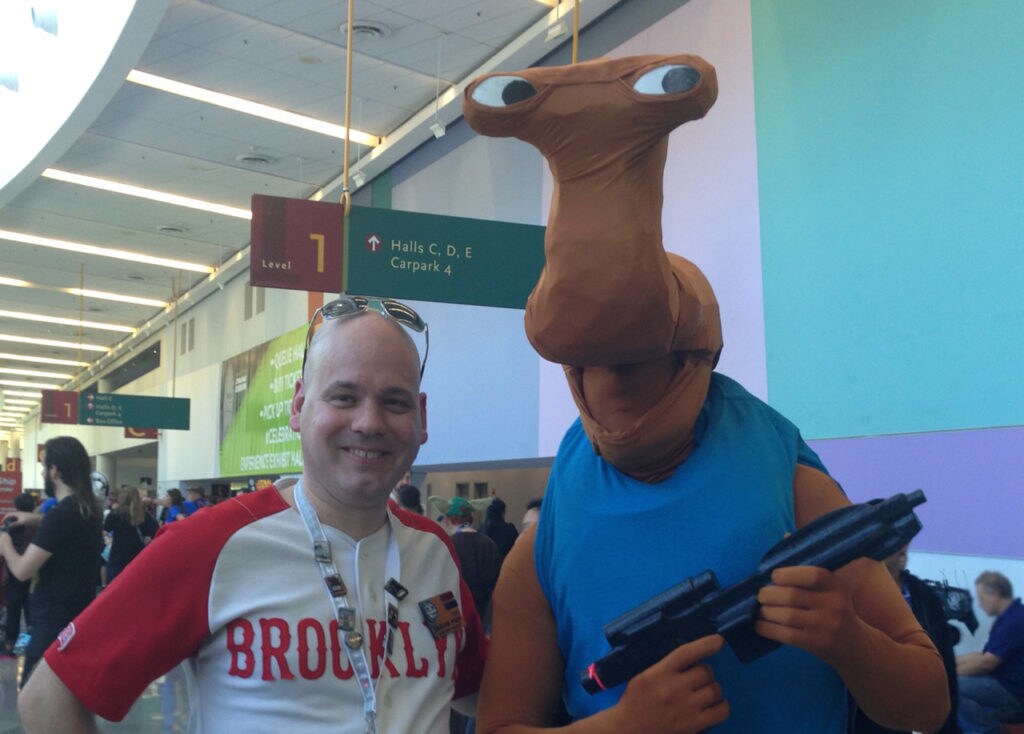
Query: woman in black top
point(65, 552)
point(130, 527)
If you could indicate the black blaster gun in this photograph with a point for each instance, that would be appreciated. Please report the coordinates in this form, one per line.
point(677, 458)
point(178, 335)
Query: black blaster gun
point(698, 607)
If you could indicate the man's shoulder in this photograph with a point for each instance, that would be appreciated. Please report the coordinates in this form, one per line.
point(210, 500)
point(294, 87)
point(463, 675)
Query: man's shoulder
point(1014, 615)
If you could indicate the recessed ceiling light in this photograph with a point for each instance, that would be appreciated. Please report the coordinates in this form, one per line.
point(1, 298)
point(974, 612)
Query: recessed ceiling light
point(254, 159)
point(171, 229)
point(366, 30)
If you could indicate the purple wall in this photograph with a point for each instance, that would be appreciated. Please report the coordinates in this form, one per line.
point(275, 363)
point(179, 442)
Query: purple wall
point(973, 481)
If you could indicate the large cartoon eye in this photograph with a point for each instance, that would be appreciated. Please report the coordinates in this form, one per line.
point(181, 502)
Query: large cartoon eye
point(502, 91)
point(670, 79)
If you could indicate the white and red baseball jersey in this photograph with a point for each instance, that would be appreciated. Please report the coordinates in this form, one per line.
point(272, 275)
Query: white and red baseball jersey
point(234, 593)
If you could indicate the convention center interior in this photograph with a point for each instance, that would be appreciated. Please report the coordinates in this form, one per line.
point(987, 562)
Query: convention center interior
point(188, 187)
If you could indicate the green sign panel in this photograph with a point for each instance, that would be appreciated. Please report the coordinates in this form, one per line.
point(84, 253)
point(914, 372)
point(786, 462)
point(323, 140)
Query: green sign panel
point(109, 409)
point(427, 257)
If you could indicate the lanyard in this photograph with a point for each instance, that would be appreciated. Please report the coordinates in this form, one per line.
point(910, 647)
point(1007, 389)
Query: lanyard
point(349, 626)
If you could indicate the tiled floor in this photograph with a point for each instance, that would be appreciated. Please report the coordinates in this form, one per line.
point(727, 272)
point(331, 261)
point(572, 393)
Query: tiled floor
point(146, 716)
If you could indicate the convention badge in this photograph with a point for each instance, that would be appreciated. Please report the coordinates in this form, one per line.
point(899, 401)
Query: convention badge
point(322, 551)
point(396, 589)
point(346, 619)
point(442, 614)
point(354, 640)
point(392, 616)
point(335, 585)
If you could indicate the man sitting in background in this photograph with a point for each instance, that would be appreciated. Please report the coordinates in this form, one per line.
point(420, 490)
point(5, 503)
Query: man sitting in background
point(992, 681)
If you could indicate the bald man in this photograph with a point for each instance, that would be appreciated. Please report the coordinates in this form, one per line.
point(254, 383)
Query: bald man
point(312, 606)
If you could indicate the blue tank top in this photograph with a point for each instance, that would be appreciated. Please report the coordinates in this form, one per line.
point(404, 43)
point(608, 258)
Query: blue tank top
point(606, 543)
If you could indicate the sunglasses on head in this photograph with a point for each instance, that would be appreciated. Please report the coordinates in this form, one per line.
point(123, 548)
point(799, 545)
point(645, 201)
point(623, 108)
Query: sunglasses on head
point(350, 305)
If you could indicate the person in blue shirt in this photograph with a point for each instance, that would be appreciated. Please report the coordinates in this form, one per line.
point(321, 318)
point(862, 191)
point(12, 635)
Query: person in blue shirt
point(992, 681)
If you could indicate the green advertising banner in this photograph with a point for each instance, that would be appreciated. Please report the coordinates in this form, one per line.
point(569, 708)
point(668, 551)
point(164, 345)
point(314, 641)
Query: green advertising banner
point(256, 395)
point(428, 257)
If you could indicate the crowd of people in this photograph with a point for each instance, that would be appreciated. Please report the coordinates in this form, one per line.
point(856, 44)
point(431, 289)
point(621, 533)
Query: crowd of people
point(59, 553)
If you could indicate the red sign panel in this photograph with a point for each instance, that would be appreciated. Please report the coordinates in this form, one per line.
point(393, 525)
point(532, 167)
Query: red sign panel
point(141, 432)
point(59, 406)
point(10, 487)
point(296, 244)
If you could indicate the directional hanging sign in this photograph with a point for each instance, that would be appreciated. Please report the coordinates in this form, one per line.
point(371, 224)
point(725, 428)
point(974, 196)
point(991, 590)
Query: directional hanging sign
point(109, 409)
point(428, 257)
point(296, 244)
point(59, 406)
point(136, 411)
point(300, 244)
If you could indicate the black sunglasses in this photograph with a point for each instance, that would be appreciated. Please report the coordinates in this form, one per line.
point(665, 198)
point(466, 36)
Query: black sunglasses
point(349, 305)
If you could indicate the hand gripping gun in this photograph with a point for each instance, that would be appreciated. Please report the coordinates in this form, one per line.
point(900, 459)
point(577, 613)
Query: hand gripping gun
point(698, 607)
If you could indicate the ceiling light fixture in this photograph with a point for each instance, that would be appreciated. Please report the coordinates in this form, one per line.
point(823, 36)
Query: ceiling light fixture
point(52, 343)
point(22, 393)
point(250, 108)
point(105, 296)
point(43, 360)
point(86, 249)
point(67, 322)
point(34, 373)
point(20, 401)
point(142, 192)
point(36, 385)
point(86, 293)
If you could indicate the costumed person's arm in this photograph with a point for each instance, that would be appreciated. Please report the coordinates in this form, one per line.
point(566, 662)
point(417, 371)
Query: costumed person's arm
point(857, 621)
point(523, 677)
point(46, 705)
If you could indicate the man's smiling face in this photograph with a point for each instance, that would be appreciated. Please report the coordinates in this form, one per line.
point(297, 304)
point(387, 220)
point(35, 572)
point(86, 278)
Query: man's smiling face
point(359, 410)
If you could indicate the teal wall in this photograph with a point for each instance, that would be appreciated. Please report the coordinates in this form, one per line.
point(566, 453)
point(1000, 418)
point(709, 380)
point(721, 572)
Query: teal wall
point(891, 171)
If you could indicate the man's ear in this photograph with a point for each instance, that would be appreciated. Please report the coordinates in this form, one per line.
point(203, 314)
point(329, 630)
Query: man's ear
point(423, 416)
point(298, 399)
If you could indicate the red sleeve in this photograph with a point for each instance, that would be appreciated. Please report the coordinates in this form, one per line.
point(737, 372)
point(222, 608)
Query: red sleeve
point(154, 614)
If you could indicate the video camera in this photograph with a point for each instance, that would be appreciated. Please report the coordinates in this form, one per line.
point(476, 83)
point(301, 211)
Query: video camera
point(698, 606)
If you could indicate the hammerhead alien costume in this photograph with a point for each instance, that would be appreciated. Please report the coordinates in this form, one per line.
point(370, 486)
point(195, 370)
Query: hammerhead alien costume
point(672, 468)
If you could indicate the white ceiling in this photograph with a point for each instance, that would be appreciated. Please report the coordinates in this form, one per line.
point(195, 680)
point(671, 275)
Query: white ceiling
point(284, 53)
